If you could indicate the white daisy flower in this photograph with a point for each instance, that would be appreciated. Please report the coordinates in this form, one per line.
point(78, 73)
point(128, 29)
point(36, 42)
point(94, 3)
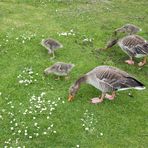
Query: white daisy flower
point(21, 81)
point(12, 128)
point(30, 72)
point(16, 124)
point(64, 33)
point(49, 128)
point(42, 94)
point(19, 131)
point(101, 134)
point(1, 117)
point(25, 134)
point(35, 124)
point(12, 106)
point(30, 137)
point(86, 128)
point(30, 112)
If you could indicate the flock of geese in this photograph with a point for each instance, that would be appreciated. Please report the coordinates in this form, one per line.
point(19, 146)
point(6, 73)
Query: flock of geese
point(105, 78)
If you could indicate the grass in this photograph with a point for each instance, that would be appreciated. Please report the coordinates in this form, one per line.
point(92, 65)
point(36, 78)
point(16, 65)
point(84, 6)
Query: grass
point(27, 121)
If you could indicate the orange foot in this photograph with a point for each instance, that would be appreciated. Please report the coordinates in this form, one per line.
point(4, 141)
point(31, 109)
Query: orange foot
point(96, 100)
point(130, 62)
point(109, 97)
point(141, 64)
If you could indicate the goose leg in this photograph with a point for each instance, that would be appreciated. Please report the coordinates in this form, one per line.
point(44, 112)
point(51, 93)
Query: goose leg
point(110, 97)
point(67, 78)
point(53, 55)
point(143, 62)
point(98, 100)
point(57, 78)
point(49, 51)
point(130, 61)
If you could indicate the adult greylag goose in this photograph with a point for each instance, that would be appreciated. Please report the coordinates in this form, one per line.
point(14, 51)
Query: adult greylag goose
point(59, 69)
point(51, 45)
point(108, 80)
point(128, 28)
point(133, 46)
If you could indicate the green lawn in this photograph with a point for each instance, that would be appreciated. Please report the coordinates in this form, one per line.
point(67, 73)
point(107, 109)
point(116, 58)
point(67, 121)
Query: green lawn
point(38, 114)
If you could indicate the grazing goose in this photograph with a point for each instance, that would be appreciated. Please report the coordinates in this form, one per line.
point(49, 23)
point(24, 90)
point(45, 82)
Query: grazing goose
point(106, 79)
point(133, 46)
point(59, 69)
point(51, 45)
point(129, 29)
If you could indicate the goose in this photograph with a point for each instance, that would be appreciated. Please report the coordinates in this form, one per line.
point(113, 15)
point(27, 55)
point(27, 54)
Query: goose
point(133, 46)
point(59, 69)
point(128, 28)
point(108, 80)
point(51, 45)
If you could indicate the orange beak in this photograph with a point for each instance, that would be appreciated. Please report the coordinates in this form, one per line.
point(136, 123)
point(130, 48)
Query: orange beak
point(70, 98)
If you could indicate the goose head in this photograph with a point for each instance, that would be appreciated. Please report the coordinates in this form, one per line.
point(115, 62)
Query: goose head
point(75, 87)
point(49, 70)
point(72, 91)
point(111, 43)
point(121, 30)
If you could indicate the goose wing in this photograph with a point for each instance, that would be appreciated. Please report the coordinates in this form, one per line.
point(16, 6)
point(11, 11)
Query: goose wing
point(132, 41)
point(111, 78)
point(51, 43)
point(64, 68)
point(61, 68)
point(128, 44)
point(141, 50)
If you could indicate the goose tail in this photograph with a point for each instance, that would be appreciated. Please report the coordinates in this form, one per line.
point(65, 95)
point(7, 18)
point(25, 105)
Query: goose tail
point(134, 83)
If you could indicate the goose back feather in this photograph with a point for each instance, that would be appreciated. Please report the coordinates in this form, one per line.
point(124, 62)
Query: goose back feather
point(51, 44)
point(59, 68)
point(109, 79)
point(133, 45)
point(128, 28)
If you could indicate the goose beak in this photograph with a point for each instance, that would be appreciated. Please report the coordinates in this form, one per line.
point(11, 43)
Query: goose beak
point(45, 73)
point(70, 98)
